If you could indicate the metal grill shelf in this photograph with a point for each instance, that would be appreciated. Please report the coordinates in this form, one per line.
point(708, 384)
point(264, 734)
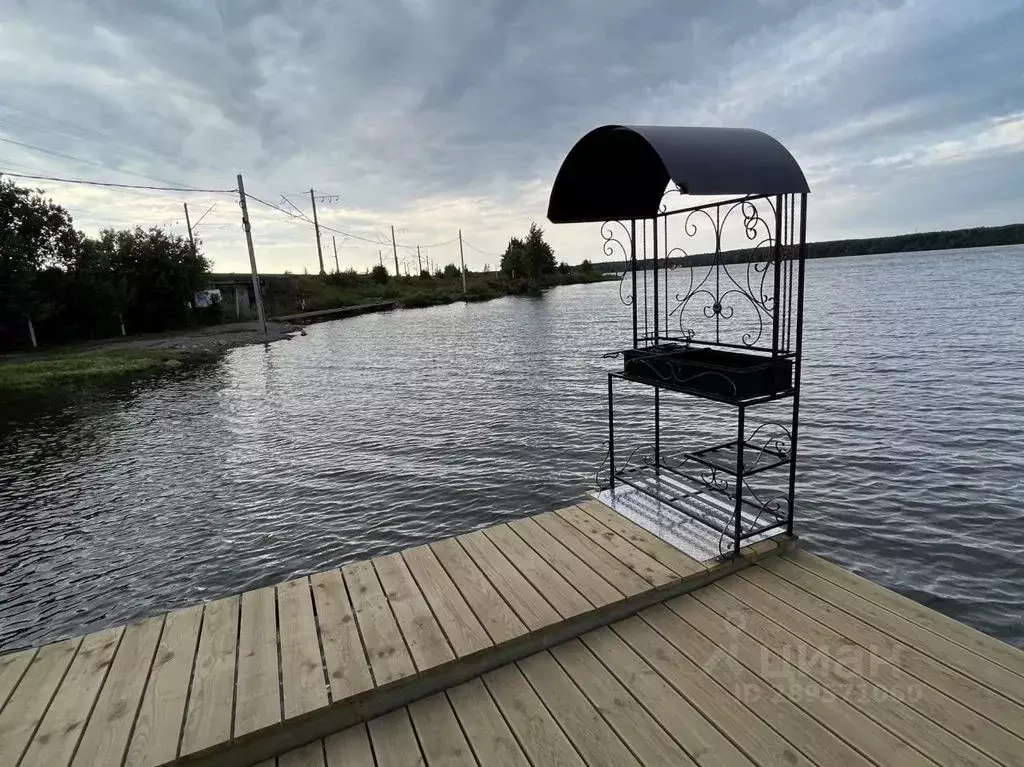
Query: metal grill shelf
point(756, 458)
point(709, 505)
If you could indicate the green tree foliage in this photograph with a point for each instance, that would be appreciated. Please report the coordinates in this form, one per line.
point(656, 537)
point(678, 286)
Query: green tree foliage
point(36, 235)
point(379, 274)
point(73, 287)
point(152, 274)
point(530, 258)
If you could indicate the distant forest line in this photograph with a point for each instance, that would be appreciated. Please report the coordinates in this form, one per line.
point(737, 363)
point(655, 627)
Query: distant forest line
point(978, 237)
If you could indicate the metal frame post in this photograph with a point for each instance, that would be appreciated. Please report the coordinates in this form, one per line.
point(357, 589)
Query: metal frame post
point(797, 363)
point(778, 273)
point(632, 264)
point(738, 522)
point(657, 431)
point(611, 435)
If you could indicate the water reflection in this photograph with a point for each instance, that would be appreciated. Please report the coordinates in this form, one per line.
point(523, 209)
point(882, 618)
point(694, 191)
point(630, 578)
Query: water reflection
point(384, 431)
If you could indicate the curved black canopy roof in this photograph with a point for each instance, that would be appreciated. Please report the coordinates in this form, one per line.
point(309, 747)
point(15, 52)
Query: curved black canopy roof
point(621, 171)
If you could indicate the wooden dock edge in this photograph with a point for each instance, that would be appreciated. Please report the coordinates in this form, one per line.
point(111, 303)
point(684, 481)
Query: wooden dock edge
point(272, 741)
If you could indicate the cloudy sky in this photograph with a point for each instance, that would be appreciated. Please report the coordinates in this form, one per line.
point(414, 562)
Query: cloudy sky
point(435, 115)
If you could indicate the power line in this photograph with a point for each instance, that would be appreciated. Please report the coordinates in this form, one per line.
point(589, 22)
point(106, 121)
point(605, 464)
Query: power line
point(44, 150)
point(482, 252)
point(119, 186)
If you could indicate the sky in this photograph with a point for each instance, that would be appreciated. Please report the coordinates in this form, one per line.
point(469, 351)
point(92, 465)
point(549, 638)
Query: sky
point(438, 115)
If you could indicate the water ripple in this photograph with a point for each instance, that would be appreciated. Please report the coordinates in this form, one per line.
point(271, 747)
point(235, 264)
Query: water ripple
point(386, 431)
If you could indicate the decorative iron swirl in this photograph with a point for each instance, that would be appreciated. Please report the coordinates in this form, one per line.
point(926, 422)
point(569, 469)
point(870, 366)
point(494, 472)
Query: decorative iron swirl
point(672, 376)
point(779, 443)
point(612, 247)
point(720, 297)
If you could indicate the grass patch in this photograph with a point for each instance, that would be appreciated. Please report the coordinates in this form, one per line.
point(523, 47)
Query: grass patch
point(63, 371)
point(295, 293)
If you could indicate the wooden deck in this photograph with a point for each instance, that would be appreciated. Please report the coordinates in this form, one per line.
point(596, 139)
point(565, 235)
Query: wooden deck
point(567, 638)
point(793, 661)
point(236, 680)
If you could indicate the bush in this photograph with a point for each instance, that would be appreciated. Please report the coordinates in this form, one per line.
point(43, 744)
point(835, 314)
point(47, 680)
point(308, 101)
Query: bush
point(451, 271)
point(563, 268)
point(424, 274)
point(379, 274)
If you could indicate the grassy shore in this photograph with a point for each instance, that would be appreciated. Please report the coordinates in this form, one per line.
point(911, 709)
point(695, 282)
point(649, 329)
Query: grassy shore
point(312, 292)
point(29, 374)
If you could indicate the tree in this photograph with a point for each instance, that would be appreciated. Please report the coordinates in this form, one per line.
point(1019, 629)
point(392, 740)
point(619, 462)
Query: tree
point(161, 274)
point(540, 257)
point(586, 267)
point(451, 271)
point(379, 274)
point(513, 261)
point(531, 258)
point(35, 234)
point(564, 268)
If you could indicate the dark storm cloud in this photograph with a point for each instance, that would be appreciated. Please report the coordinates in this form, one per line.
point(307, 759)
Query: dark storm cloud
point(446, 114)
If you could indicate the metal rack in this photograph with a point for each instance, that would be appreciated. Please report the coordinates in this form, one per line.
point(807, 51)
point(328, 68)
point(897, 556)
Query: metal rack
point(716, 295)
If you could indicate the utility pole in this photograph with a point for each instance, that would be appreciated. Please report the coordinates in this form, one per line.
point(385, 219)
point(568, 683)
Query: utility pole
point(334, 242)
point(380, 257)
point(252, 256)
point(188, 223)
point(394, 247)
point(419, 258)
point(316, 226)
point(462, 260)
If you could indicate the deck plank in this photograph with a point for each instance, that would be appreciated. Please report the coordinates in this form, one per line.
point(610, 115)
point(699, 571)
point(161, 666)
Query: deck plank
point(715, 696)
point(981, 669)
point(934, 705)
point(302, 670)
point(675, 560)
point(614, 571)
point(498, 619)
point(257, 689)
point(1009, 657)
point(489, 736)
point(106, 735)
point(845, 721)
point(389, 658)
point(394, 741)
point(648, 568)
point(440, 736)
point(836, 680)
point(423, 636)
point(12, 667)
point(535, 729)
point(701, 740)
point(595, 741)
point(594, 588)
point(524, 599)
point(919, 664)
point(158, 724)
point(925, 668)
point(349, 748)
point(61, 728)
point(29, 701)
point(558, 591)
point(463, 630)
point(208, 714)
point(347, 667)
point(644, 737)
point(309, 755)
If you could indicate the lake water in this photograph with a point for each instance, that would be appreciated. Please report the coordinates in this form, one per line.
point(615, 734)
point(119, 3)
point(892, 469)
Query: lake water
point(388, 430)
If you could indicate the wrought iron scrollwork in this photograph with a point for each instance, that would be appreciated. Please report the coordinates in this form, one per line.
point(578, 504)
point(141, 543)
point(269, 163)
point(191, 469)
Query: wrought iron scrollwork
point(718, 292)
point(614, 247)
